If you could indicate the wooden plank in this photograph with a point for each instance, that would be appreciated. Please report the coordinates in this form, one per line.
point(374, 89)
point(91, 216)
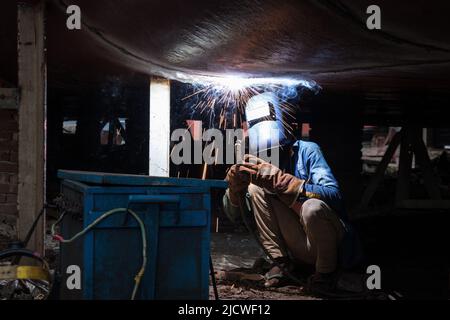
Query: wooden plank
point(9, 98)
point(379, 173)
point(159, 140)
point(32, 82)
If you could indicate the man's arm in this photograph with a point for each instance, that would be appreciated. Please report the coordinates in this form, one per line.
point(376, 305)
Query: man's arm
point(231, 211)
point(322, 184)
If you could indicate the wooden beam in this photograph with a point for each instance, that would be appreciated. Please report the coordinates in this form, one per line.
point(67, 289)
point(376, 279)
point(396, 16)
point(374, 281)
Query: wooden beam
point(431, 181)
point(32, 86)
point(9, 98)
point(404, 166)
point(159, 139)
point(379, 174)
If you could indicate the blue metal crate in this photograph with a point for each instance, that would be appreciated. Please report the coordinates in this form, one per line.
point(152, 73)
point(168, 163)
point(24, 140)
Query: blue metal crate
point(176, 213)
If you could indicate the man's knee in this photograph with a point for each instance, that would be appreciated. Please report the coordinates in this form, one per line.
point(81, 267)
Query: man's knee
point(312, 210)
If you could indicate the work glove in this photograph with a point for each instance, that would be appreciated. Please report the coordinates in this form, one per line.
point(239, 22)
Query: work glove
point(265, 175)
point(238, 178)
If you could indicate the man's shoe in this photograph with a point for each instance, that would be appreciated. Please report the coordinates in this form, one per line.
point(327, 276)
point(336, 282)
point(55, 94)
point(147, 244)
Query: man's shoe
point(276, 276)
point(323, 284)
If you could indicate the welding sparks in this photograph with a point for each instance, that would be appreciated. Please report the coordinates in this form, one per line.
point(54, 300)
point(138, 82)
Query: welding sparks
point(234, 83)
point(228, 95)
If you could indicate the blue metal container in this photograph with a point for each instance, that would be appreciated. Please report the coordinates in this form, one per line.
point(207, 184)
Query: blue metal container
point(176, 214)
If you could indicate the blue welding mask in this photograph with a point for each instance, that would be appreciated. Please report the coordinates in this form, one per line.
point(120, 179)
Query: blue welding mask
point(265, 122)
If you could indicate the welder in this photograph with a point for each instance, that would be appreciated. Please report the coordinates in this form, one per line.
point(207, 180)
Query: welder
point(297, 204)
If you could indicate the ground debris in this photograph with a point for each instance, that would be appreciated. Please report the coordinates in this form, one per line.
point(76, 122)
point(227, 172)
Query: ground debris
point(242, 292)
point(240, 267)
point(248, 284)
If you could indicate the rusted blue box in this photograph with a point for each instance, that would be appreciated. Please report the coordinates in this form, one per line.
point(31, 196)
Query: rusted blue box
point(176, 214)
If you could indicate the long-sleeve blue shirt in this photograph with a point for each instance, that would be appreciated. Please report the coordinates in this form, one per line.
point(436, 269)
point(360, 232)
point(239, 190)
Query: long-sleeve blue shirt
point(311, 166)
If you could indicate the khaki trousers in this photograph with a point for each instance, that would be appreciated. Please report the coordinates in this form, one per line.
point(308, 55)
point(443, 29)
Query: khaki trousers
point(311, 237)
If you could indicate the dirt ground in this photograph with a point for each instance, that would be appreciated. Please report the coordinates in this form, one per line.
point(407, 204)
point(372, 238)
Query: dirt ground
point(242, 292)
point(231, 251)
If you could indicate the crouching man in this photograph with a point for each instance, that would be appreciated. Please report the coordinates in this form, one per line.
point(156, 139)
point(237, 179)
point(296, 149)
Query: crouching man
point(298, 210)
point(299, 216)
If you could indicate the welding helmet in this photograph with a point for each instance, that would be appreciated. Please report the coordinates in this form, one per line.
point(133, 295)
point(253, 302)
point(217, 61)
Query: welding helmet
point(265, 123)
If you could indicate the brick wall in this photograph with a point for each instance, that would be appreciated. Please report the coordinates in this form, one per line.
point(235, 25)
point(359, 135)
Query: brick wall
point(8, 172)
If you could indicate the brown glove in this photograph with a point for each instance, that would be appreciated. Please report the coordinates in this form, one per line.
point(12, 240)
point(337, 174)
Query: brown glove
point(286, 186)
point(238, 178)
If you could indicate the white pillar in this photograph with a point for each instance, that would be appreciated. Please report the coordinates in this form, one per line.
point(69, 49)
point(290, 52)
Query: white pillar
point(159, 141)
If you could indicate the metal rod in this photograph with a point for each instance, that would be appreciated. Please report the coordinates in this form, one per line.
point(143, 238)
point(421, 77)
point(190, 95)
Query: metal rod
point(211, 266)
point(213, 278)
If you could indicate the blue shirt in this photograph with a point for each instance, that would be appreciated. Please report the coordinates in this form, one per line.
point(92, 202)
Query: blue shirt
point(310, 165)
